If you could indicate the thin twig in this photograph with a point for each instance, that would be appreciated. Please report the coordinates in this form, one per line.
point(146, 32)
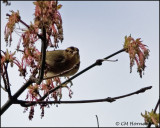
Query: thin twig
point(109, 99)
point(20, 50)
point(97, 121)
point(2, 51)
point(137, 92)
point(3, 88)
point(155, 109)
point(20, 21)
point(111, 60)
point(7, 80)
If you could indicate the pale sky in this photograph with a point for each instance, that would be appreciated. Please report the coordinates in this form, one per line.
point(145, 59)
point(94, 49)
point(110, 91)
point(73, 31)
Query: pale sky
point(98, 29)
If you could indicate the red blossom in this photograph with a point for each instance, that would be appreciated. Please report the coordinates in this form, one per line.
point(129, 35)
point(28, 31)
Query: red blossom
point(22, 67)
point(31, 113)
point(33, 92)
point(31, 56)
point(47, 14)
point(137, 52)
point(48, 85)
point(13, 19)
point(29, 37)
point(7, 58)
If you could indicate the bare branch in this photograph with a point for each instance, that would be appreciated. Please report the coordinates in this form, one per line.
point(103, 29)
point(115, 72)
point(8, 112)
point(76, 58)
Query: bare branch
point(20, 50)
point(6, 80)
point(109, 99)
point(155, 109)
point(137, 92)
point(97, 121)
point(111, 60)
point(3, 88)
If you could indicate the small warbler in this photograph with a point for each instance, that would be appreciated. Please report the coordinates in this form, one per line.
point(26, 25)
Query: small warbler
point(62, 62)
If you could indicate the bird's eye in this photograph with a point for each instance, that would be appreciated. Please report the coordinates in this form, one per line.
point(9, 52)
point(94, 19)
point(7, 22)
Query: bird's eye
point(77, 50)
point(71, 51)
point(67, 50)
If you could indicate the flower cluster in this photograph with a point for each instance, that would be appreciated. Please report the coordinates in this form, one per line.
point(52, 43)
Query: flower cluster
point(22, 67)
point(9, 57)
point(6, 57)
point(48, 16)
point(137, 52)
point(151, 117)
point(48, 85)
point(29, 37)
point(13, 19)
point(35, 92)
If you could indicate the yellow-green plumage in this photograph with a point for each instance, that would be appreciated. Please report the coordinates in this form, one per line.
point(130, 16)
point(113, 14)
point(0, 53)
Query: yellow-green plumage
point(59, 61)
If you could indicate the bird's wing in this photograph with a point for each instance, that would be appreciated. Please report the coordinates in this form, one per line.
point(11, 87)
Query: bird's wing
point(57, 58)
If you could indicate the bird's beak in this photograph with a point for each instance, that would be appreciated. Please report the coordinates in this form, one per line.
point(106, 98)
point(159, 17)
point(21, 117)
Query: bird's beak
point(75, 52)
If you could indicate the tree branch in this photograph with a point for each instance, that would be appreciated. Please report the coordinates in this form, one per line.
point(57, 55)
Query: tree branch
point(3, 88)
point(15, 96)
point(43, 58)
point(5, 83)
point(109, 99)
point(6, 80)
point(137, 92)
point(43, 52)
point(97, 121)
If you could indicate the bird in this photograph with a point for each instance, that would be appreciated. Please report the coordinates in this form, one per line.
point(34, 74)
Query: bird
point(62, 63)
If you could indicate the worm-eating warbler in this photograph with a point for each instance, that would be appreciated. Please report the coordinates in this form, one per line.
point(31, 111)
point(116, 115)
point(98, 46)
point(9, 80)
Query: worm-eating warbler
point(64, 62)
